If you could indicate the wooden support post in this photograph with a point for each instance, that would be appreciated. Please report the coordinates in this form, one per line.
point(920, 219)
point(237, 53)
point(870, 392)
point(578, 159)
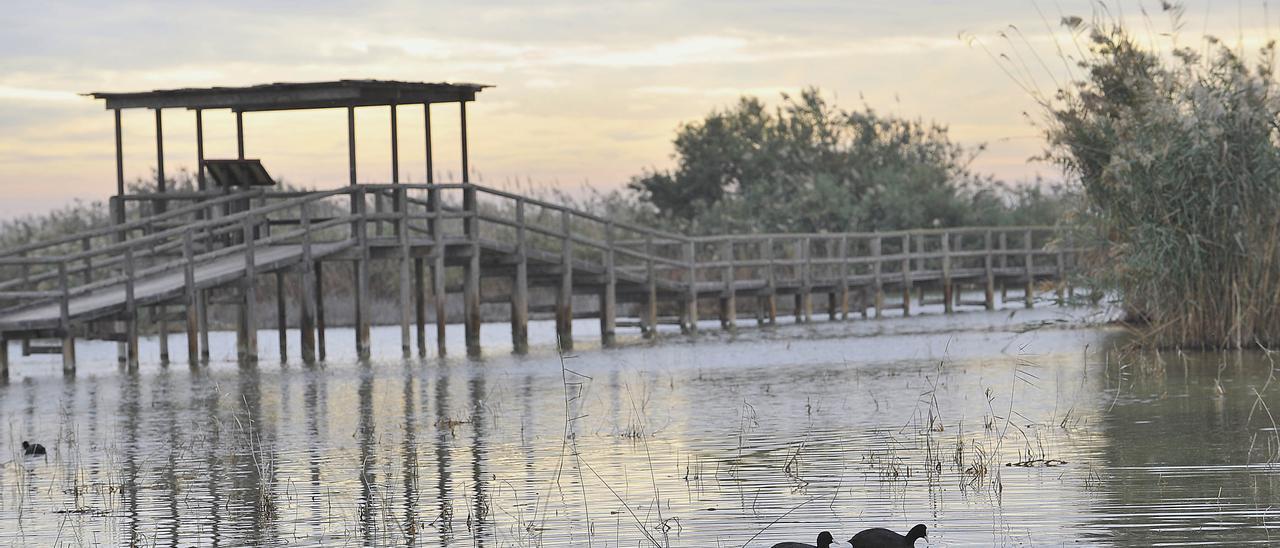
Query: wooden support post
point(843, 286)
point(609, 295)
point(406, 271)
point(651, 295)
point(806, 280)
point(4, 360)
point(161, 205)
point(1004, 264)
point(420, 304)
point(1061, 284)
point(564, 296)
point(319, 292)
point(64, 322)
point(948, 291)
point(520, 287)
point(282, 318)
point(436, 227)
point(989, 287)
point(131, 310)
point(118, 218)
point(306, 298)
point(691, 295)
point(471, 279)
point(877, 279)
point(158, 317)
point(190, 294)
point(1029, 291)
point(729, 297)
point(771, 298)
point(906, 275)
point(249, 343)
point(202, 310)
point(363, 320)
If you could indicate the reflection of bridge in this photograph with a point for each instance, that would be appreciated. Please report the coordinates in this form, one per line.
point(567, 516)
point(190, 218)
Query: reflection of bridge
point(173, 249)
point(89, 284)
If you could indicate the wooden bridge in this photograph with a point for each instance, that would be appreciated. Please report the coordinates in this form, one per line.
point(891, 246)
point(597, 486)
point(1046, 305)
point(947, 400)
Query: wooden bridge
point(182, 247)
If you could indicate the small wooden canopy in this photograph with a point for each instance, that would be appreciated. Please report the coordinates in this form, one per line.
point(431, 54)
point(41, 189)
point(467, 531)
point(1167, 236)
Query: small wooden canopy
point(295, 96)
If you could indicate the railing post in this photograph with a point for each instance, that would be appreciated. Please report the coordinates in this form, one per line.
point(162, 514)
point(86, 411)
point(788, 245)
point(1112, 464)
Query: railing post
point(691, 296)
point(771, 296)
point(306, 297)
point(189, 293)
point(843, 286)
point(804, 299)
point(1060, 287)
point(564, 296)
point(64, 321)
point(877, 279)
point(989, 293)
point(1004, 264)
point(520, 286)
point(471, 280)
point(948, 297)
point(651, 295)
point(728, 297)
point(906, 274)
point(1029, 289)
point(609, 297)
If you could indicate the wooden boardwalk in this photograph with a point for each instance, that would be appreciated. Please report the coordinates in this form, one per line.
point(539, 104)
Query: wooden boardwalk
point(182, 246)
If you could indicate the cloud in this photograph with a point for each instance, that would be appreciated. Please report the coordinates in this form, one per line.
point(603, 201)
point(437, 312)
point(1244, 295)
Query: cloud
point(12, 93)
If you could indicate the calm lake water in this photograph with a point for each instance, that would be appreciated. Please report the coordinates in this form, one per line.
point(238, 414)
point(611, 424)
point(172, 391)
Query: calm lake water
point(749, 438)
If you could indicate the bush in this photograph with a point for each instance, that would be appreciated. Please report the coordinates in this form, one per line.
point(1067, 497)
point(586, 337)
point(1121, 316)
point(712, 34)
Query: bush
point(1179, 160)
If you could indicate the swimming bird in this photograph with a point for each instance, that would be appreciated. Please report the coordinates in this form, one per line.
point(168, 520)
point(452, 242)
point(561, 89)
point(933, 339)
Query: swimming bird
point(33, 450)
point(884, 538)
point(824, 541)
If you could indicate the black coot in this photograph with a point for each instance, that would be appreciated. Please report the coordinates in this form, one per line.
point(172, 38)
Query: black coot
point(884, 538)
point(33, 449)
point(824, 541)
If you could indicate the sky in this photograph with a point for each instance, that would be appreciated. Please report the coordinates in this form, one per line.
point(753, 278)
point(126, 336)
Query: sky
point(587, 94)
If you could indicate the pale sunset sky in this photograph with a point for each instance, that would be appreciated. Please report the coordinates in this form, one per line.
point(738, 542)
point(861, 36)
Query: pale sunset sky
point(585, 92)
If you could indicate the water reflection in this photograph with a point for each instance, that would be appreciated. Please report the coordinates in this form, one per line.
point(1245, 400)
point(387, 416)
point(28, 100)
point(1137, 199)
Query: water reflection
point(714, 443)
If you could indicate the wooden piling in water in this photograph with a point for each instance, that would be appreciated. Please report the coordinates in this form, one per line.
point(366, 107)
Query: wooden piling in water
point(609, 293)
point(691, 297)
point(877, 279)
point(64, 312)
point(564, 293)
point(520, 286)
point(948, 296)
point(249, 323)
point(406, 281)
point(282, 318)
point(906, 275)
point(306, 298)
point(190, 297)
point(319, 293)
point(771, 297)
point(159, 317)
point(651, 293)
point(1029, 289)
point(4, 359)
point(131, 311)
point(420, 305)
point(361, 281)
point(989, 277)
point(728, 296)
point(842, 288)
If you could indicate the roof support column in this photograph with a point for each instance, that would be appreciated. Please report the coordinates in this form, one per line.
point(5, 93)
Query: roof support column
point(395, 148)
point(239, 135)
point(161, 205)
point(426, 124)
point(200, 185)
point(466, 175)
point(351, 144)
point(119, 158)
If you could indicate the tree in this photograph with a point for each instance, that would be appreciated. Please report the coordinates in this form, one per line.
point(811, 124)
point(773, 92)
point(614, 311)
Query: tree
point(809, 166)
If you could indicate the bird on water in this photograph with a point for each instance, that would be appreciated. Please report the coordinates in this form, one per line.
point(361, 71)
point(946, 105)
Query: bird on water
point(33, 449)
point(824, 541)
point(884, 538)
